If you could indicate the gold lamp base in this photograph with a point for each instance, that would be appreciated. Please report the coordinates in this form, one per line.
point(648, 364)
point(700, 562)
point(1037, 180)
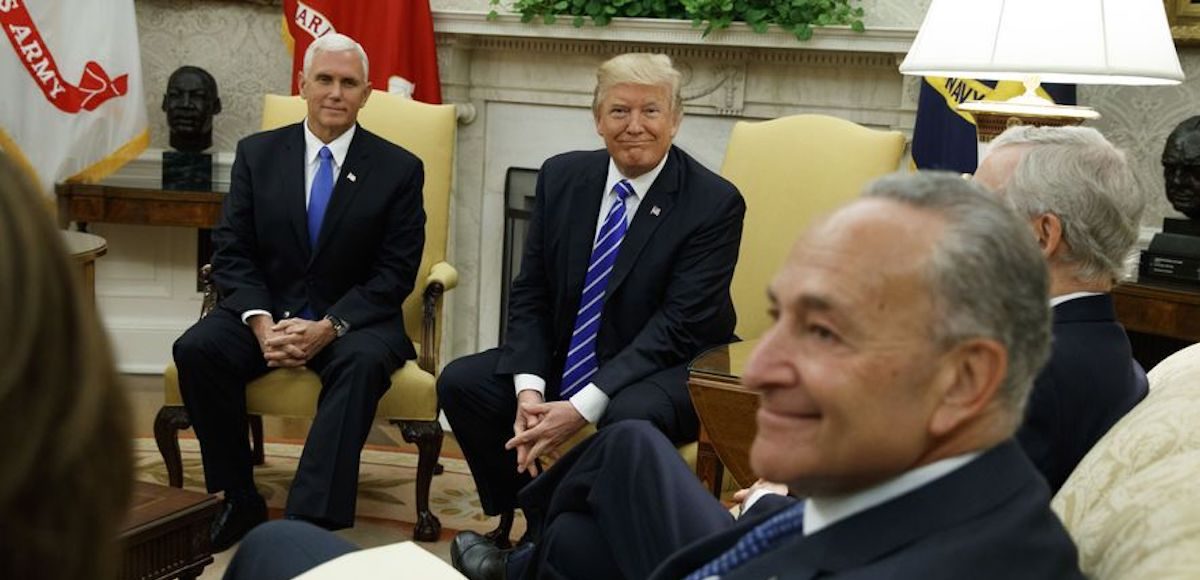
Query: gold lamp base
point(993, 117)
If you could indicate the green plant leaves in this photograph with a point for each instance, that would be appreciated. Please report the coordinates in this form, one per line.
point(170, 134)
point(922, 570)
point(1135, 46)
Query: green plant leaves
point(795, 16)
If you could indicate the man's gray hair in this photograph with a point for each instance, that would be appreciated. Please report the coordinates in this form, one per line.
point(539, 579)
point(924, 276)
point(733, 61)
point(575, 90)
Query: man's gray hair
point(1077, 175)
point(987, 276)
point(638, 68)
point(336, 42)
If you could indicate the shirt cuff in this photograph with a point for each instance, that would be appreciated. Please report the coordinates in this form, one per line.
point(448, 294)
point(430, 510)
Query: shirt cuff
point(247, 314)
point(591, 402)
point(754, 497)
point(529, 382)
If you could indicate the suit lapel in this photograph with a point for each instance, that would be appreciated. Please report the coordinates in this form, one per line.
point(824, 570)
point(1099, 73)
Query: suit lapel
point(292, 187)
point(652, 210)
point(356, 165)
point(581, 223)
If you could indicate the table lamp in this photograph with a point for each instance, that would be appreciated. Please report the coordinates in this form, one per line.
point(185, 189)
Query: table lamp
point(1118, 42)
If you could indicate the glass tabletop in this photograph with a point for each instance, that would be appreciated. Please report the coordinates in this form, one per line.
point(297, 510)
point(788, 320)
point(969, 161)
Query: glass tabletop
point(726, 361)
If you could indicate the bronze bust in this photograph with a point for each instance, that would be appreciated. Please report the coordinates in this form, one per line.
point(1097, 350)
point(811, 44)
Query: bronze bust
point(1181, 167)
point(190, 103)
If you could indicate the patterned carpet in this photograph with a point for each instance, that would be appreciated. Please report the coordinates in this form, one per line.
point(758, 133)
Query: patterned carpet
point(386, 497)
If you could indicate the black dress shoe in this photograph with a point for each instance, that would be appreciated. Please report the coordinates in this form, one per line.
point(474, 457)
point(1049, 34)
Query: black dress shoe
point(477, 557)
point(237, 517)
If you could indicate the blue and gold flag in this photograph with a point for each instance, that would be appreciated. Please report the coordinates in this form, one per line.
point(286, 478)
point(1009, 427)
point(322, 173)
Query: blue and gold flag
point(944, 137)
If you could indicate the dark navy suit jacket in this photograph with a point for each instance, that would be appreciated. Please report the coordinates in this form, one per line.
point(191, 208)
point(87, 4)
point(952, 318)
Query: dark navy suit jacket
point(668, 295)
point(368, 250)
point(1090, 382)
point(988, 519)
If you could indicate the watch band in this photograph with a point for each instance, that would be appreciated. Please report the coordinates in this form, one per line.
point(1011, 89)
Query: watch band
point(339, 326)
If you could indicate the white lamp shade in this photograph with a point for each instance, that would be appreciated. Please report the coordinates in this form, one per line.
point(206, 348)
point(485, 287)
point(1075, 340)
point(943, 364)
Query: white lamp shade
point(1123, 42)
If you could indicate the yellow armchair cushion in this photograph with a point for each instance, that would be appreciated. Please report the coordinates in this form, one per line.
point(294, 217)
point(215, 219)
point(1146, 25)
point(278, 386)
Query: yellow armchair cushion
point(791, 170)
point(293, 393)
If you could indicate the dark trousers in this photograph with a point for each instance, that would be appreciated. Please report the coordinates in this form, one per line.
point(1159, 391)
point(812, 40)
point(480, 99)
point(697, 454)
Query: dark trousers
point(217, 357)
point(617, 506)
point(282, 549)
point(481, 406)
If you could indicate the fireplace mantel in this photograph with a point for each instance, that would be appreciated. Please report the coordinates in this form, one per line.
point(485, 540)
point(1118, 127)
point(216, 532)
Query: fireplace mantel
point(673, 32)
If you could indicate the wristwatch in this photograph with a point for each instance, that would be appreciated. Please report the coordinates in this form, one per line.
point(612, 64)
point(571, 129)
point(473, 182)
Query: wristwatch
point(340, 327)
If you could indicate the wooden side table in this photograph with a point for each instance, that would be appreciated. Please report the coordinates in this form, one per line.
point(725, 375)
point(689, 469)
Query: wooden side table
point(166, 534)
point(84, 249)
point(726, 410)
point(1160, 318)
point(83, 203)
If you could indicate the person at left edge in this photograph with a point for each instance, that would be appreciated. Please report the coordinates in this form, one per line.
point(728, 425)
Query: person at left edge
point(318, 245)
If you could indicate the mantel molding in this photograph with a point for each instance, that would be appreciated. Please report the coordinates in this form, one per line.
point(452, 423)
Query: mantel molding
point(884, 41)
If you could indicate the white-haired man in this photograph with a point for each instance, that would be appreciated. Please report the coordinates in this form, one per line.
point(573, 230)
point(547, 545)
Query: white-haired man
point(318, 245)
point(1078, 194)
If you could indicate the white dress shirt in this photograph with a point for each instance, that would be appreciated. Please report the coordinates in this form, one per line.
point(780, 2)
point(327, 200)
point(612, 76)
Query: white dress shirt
point(312, 162)
point(1066, 297)
point(822, 512)
point(590, 401)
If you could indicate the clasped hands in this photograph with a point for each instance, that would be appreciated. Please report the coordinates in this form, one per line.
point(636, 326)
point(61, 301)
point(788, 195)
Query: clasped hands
point(540, 428)
point(291, 342)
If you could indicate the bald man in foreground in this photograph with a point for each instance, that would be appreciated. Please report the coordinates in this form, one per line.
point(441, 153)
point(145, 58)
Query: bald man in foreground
point(909, 327)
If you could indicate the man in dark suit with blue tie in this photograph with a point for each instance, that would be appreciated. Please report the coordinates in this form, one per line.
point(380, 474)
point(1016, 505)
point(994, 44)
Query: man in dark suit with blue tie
point(318, 245)
point(624, 279)
point(1078, 194)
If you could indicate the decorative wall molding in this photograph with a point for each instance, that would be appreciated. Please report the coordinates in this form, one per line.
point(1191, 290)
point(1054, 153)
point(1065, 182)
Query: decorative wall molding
point(654, 31)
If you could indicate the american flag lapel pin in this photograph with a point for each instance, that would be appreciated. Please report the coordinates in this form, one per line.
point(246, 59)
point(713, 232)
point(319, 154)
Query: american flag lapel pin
point(351, 177)
point(654, 211)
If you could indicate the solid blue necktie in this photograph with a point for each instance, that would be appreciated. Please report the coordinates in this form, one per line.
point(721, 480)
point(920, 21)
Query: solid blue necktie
point(318, 202)
point(318, 198)
point(758, 540)
point(581, 354)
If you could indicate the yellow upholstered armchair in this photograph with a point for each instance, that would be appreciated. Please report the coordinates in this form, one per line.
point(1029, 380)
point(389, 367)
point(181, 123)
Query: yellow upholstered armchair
point(789, 170)
point(428, 131)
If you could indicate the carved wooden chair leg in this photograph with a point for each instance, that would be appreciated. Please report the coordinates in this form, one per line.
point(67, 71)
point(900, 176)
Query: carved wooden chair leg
point(167, 424)
point(500, 535)
point(256, 438)
point(427, 435)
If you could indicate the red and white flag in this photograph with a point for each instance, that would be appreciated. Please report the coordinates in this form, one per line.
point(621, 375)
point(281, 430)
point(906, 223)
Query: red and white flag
point(71, 100)
point(397, 35)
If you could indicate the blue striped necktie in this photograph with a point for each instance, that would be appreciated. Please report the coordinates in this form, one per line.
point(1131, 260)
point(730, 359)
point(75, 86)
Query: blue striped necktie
point(757, 541)
point(581, 355)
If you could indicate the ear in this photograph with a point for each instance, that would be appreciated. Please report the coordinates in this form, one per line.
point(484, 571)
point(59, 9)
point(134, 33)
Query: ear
point(1047, 228)
point(216, 106)
point(366, 94)
point(300, 82)
point(971, 378)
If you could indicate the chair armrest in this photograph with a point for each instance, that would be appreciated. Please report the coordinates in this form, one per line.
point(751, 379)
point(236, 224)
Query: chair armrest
point(210, 290)
point(444, 274)
point(442, 277)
